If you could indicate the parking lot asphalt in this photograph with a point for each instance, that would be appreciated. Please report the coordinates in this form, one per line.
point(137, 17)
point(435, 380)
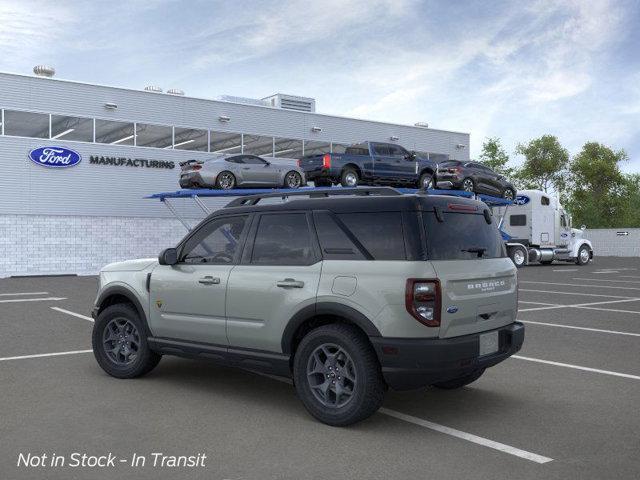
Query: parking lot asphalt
point(565, 407)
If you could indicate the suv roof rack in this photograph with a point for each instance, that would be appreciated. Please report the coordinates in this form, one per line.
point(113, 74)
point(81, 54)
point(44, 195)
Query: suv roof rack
point(315, 193)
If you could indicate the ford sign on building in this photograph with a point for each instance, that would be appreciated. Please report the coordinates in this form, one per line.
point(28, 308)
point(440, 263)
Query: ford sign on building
point(56, 157)
point(77, 161)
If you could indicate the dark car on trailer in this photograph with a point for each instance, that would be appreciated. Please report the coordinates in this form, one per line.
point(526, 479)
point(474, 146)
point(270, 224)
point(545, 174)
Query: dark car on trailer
point(473, 177)
point(370, 163)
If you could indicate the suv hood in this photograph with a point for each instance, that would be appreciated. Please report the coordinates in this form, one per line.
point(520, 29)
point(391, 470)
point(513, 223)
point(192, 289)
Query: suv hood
point(130, 265)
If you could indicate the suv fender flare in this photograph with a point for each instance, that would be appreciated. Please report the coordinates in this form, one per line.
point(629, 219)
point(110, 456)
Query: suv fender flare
point(129, 295)
point(326, 308)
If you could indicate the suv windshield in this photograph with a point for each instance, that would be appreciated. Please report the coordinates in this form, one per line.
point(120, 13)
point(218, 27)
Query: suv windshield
point(462, 236)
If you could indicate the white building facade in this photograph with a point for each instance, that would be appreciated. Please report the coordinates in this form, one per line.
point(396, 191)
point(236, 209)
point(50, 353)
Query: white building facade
point(74, 220)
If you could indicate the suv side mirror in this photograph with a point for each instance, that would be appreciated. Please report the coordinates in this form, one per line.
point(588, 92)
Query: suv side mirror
point(169, 256)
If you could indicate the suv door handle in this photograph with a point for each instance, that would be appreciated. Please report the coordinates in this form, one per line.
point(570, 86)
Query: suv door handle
point(246, 168)
point(290, 283)
point(209, 280)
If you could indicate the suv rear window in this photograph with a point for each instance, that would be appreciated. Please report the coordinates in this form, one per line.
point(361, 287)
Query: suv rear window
point(459, 233)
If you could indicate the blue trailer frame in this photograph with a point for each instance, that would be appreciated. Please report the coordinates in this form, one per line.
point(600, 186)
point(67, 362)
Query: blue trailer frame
point(197, 194)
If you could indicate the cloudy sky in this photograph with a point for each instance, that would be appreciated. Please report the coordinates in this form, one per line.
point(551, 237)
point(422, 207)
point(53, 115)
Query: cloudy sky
point(515, 69)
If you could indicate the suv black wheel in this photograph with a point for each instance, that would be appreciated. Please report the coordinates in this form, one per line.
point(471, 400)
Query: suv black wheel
point(337, 375)
point(349, 178)
point(225, 181)
point(468, 185)
point(292, 180)
point(120, 343)
point(460, 381)
point(426, 181)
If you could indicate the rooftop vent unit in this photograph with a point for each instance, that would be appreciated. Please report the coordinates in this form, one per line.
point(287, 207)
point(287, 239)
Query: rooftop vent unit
point(175, 91)
point(292, 102)
point(153, 88)
point(422, 124)
point(244, 100)
point(44, 71)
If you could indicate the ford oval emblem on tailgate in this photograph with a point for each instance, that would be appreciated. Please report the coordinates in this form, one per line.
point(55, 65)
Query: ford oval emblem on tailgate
point(452, 309)
point(56, 157)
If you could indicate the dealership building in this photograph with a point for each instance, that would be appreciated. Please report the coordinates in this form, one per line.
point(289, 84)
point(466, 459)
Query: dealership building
point(127, 144)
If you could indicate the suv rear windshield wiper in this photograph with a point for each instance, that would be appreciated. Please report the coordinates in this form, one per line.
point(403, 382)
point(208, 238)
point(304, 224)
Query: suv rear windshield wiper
point(479, 250)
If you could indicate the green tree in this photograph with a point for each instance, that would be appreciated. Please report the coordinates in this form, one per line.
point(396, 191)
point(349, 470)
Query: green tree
point(545, 164)
point(495, 157)
point(600, 193)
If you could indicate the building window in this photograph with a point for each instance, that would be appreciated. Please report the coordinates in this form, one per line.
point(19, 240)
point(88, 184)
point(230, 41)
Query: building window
point(190, 139)
point(312, 147)
point(72, 128)
point(114, 133)
point(224, 142)
point(287, 148)
point(26, 124)
point(157, 136)
point(258, 145)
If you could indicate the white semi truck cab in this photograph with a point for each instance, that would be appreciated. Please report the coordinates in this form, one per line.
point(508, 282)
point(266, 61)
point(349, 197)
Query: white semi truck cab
point(537, 229)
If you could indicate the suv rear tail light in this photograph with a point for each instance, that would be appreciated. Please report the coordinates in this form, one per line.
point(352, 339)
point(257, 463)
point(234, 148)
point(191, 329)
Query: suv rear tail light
point(422, 299)
point(299, 162)
point(196, 167)
point(326, 161)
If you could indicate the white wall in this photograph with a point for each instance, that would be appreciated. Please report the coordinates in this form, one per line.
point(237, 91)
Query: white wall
point(610, 242)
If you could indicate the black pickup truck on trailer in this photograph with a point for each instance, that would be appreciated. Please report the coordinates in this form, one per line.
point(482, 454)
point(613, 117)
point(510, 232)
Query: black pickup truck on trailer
point(370, 163)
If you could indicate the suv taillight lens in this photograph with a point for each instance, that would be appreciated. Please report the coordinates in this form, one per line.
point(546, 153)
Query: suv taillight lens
point(299, 162)
point(422, 299)
point(326, 161)
point(196, 167)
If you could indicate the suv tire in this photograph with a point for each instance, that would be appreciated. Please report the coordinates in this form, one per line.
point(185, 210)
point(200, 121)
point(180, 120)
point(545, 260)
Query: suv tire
point(120, 325)
point(350, 362)
point(349, 178)
point(460, 381)
point(468, 185)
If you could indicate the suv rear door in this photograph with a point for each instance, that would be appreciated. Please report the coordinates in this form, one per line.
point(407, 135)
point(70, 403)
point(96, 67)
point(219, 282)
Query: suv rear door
point(478, 281)
point(277, 277)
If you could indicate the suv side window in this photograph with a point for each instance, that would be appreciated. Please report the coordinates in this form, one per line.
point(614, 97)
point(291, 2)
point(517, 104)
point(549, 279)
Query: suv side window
point(379, 232)
point(218, 242)
point(334, 242)
point(283, 239)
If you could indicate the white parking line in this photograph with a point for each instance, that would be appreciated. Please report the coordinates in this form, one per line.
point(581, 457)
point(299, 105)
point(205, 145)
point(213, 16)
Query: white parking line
point(577, 367)
point(443, 429)
point(566, 269)
point(73, 314)
point(576, 293)
point(540, 303)
point(609, 309)
point(604, 280)
point(597, 330)
point(40, 355)
point(485, 442)
point(23, 293)
point(44, 299)
point(578, 285)
point(628, 276)
point(582, 305)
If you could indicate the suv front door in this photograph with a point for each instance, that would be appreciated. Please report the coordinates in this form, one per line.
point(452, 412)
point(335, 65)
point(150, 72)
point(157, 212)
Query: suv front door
point(187, 300)
point(278, 276)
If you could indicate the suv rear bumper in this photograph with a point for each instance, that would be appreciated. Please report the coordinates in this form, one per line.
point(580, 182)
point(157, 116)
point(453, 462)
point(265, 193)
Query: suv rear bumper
point(409, 363)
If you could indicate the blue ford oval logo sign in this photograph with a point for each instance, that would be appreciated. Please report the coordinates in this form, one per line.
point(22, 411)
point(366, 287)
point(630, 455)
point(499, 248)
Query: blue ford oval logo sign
point(521, 200)
point(56, 157)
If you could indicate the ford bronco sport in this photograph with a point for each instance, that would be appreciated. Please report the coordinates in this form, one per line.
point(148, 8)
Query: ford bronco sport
point(348, 295)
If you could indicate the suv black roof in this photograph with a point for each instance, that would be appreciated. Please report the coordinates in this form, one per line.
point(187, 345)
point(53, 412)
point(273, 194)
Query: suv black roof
point(344, 204)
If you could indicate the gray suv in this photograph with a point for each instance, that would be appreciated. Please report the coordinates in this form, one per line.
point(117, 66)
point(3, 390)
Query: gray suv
point(348, 295)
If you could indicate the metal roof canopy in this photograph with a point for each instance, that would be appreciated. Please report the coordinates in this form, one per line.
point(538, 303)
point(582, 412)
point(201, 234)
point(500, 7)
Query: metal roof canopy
point(197, 194)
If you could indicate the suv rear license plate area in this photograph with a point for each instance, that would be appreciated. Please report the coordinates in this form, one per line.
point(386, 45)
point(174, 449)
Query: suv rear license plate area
point(489, 343)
